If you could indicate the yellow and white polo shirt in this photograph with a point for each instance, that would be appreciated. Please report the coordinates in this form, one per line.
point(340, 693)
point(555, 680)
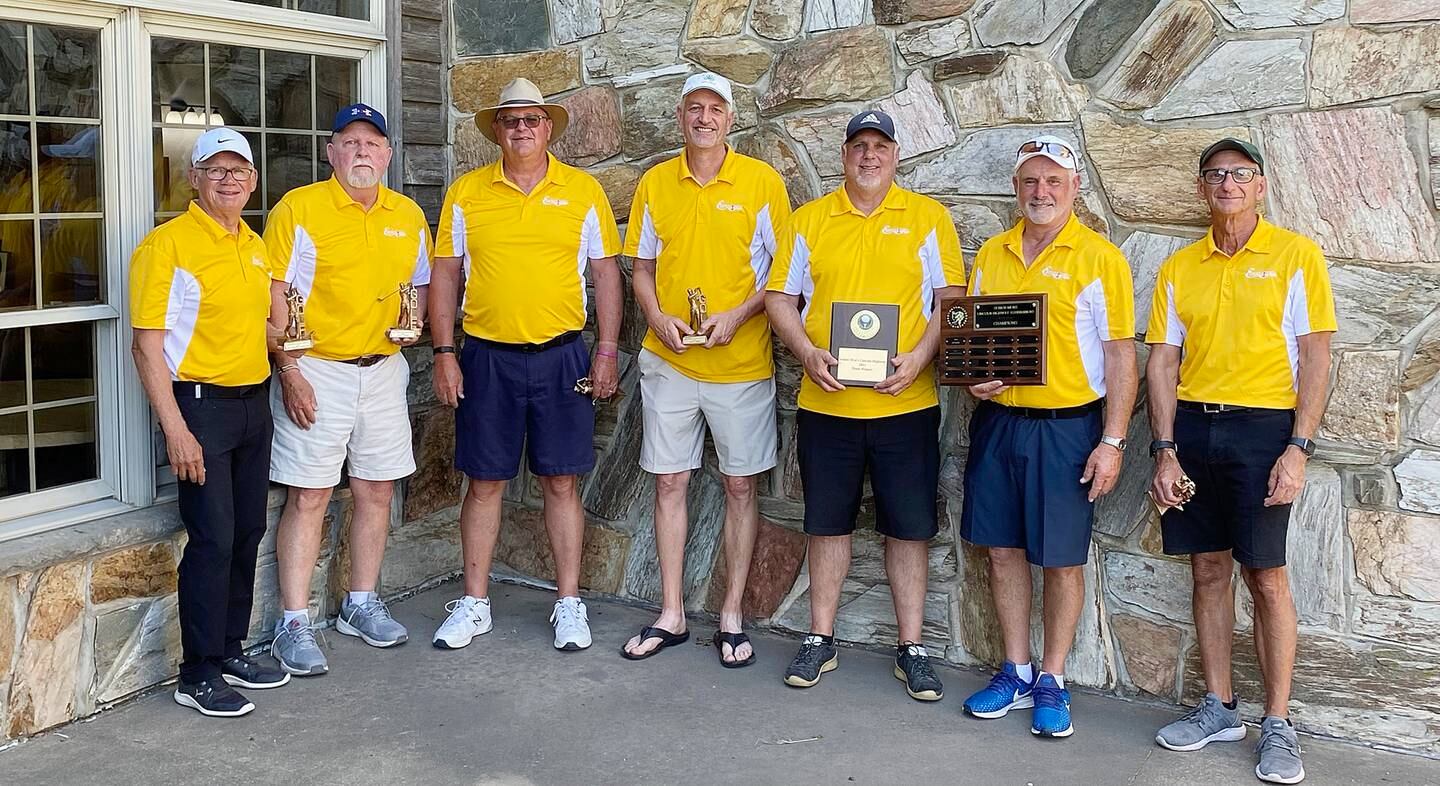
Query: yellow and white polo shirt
point(1091, 300)
point(1238, 319)
point(209, 291)
point(899, 254)
point(719, 237)
point(524, 255)
point(348, 263)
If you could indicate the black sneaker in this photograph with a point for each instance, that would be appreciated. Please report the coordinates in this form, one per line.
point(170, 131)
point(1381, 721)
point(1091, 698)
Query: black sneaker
point(912, 667)
point(816, 656)
point(259, 673)
point(213, 698)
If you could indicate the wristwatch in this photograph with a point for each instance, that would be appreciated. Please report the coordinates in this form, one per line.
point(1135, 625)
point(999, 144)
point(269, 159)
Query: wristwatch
point(444, 350)
point(1307, 446)
point(1160, 444)
point(1118, 443)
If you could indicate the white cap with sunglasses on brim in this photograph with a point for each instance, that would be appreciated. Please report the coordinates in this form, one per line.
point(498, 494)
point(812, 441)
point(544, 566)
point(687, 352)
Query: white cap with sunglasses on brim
point(220, 140)
point(1051, 147)
point(520, 93)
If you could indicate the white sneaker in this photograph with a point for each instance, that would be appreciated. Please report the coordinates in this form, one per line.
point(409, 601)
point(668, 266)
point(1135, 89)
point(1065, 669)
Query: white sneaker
point(468, 618)
point(572, 631)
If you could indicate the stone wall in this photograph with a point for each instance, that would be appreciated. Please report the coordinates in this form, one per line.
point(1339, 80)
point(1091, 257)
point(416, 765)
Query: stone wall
point(1343, 97)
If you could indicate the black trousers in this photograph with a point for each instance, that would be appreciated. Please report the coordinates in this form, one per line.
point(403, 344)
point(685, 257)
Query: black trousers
point(225, 519)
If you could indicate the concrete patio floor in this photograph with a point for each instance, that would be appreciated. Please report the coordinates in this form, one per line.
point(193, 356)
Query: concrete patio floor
point(509, 709)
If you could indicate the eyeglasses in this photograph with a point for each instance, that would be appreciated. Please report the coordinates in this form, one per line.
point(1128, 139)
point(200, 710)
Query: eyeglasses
point(218, 173)
point(1050, 148)
point(1241, 175)
point(513, 122)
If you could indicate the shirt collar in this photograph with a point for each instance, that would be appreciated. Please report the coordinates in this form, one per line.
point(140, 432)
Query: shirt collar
point(1259, 242)
point(212, 227)
point(727, 167)
point(1069, 236)
point(554, 173)
point(385, 198)
point(894, 200)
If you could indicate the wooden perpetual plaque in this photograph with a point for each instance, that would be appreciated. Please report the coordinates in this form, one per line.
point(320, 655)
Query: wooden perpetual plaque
point(988, 337)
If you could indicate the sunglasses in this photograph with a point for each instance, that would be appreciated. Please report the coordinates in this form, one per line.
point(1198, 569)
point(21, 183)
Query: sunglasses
point(1241, 175)
point(512, 122)
point(1050, 148)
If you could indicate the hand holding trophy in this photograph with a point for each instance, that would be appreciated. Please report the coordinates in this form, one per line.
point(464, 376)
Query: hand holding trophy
point(1183, 488)
point(295, 339)
point(407, 326)
point(699, 314)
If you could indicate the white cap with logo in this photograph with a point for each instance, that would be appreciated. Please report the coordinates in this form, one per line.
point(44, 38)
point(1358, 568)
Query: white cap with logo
point(706, 80)
point(220, 140)
point(1051, 147)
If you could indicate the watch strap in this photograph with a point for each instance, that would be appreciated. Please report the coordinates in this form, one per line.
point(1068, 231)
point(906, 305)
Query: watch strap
point(1307, 446)
point(1160, 444)
point(444, 350)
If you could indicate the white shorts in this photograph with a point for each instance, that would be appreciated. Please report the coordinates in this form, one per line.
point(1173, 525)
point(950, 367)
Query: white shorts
point(361, 416)
point(741, 417)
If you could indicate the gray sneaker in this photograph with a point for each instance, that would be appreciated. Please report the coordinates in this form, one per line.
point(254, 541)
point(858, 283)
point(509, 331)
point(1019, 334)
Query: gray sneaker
point(371, 621)
point(296, 649)
point(1207, 723)
point(1279, 752)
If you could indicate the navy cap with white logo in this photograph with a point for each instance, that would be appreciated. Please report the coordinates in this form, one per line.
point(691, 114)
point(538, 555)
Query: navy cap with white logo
point(360, 112)
point(870, 120)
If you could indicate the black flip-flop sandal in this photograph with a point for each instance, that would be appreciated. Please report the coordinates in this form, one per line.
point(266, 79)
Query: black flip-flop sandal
point(734, 640)
point(667, 639)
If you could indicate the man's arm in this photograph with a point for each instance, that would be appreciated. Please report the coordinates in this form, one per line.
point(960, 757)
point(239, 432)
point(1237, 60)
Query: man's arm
point(187, 458)
point(908, 365)
point(444, 297)
point(609, 308)
point(666, 327)
point(1287, 477)
point(1162, 379)
point(784, 313)
point(1102, 469)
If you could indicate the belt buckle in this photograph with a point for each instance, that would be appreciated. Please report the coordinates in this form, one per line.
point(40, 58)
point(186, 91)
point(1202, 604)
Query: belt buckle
point(1212, 409)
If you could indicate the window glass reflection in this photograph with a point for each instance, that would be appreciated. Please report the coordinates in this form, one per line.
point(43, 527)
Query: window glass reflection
point(234, 85)
point(335, 82)
point(70, 261)
point(17, 264)
point(64, 445)
point(69, 171)
point(177, 80)
point(287, 164)
point(12, 368)
point(62, 362)
point(287, 90)
point(15, 196)
point(67, 74)
point(14, 70)
point(14, 455)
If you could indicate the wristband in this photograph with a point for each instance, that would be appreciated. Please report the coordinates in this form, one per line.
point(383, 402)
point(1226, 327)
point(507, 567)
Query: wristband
point(287, 367)
point(443, 350)
point(604, 354)
point(1161, 444)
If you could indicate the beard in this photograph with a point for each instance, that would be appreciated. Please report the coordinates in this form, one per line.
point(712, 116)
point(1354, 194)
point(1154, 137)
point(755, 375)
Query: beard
point(362, 177)
point(1041, 214)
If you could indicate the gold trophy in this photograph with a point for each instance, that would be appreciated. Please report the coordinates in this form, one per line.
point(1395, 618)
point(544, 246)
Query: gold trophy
point(699, 314)
point(296, 336)
point(407, 327)
point(1183, 488)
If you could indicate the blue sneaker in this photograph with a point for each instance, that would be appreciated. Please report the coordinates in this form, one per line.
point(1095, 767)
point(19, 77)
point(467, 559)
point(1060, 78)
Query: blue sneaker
point(1052, 709)
point(1005, 692)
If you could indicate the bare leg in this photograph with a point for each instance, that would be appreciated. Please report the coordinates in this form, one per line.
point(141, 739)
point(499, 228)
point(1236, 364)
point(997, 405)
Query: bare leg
point(671, 529)
point(1214, 608)
point(908, 568)
point(1275, 626)
point(829, 563)
point(297, 544)
point(742, 519)
point(565, 523)
point(1064, 600)
point(1010, 586)
point(479, 529)
point(369, 528)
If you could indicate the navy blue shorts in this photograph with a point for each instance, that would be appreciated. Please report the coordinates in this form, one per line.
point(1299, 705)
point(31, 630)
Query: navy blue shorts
point(1022, 484)
point(902, 453)
point(1229, 455)
point(513, 397)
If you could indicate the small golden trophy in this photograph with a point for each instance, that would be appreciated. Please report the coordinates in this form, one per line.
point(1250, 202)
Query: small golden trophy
point(296, 336)
point(699, 313)
point(407, 327)
point(1184, 489)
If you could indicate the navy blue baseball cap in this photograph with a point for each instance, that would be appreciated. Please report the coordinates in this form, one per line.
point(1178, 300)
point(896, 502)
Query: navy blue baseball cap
point(870, 120)
point(360, 112)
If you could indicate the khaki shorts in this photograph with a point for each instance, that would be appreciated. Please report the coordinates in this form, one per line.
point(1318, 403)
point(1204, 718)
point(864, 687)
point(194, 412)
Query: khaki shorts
point(741, 417)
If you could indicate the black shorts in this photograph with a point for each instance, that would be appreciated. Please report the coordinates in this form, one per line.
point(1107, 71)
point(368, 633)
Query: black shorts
point(902, 453)
point(1229, 455)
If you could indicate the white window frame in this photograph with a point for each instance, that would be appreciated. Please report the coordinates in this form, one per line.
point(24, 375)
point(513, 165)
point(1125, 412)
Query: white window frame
point(124, 434)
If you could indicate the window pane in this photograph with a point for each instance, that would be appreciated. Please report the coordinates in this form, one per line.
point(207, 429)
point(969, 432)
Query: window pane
point(64, 445)
point(15, 194)
point(287, 90)
point(350, 9)
point(17, 265)
point(62, 361)
point(67, 74)
point(12, 369)
point(256, 222)
point(69, 168)
point(323, 171)
point(334, 88)
point(235, 85)
point(14, 70)
point(287, 164)
point(14, 455)
point(70, 261)
point(177, 76)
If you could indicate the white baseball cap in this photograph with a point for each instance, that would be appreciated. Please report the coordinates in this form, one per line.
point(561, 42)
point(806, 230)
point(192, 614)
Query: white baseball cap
point(221, 140)
point(706, 80)
point(1051, 147)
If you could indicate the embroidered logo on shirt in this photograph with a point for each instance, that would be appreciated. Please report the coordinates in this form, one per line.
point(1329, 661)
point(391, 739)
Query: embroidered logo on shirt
point(1058, 275)
point(889, 230)
point(257, 262)
point(553, 202)
point(729, 207)
point(1253, 273)
point(389, 232)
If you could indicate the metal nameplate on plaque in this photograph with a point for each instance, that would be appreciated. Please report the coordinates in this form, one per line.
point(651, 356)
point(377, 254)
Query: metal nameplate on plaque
point(988, 337)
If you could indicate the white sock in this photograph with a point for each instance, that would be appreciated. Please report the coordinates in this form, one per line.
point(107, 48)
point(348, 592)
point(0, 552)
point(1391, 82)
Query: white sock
point(1025, 671)
point(357, 598)
point(485, 600)
point(303, 615)
point(1059, 679)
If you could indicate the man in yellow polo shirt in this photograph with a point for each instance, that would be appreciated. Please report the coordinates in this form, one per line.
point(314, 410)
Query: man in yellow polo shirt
point(1238, 376)
point(705, 220)
point(1040, 456)
point(867, 242)
point(199, 299)
point(347, 245)
point(524, 230)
